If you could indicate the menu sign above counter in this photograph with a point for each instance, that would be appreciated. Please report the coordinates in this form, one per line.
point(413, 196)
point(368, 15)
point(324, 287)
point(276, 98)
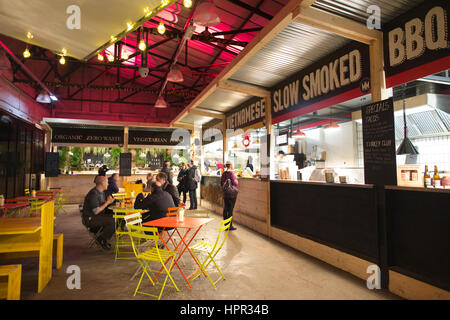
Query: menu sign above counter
point(417, 43)
point(379, 143)
point(87, 136)
point(341, 76)
point(250, 112)
point(158, 138)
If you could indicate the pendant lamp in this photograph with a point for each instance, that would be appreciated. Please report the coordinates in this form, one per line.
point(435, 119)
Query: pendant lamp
point(160, 103)
point(406, 147)
point(175, 74)
point(206, 14)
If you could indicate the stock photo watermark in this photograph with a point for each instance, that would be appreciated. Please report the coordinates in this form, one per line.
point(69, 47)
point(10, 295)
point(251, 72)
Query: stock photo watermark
point(74, 280)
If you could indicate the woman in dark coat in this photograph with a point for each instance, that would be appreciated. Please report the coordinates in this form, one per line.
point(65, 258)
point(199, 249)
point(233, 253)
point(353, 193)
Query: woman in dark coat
point(182, 182)
point(192, 179)
point(228, 202)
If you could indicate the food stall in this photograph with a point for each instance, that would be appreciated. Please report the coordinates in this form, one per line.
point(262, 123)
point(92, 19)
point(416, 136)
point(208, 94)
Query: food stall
point(82, 150)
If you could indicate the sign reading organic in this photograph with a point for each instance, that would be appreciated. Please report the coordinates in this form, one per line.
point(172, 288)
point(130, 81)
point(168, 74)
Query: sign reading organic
point(251, 112)
point(379, 143)
point(161, 138)
point(87, 136)
point(346, 72)
point(416, 44)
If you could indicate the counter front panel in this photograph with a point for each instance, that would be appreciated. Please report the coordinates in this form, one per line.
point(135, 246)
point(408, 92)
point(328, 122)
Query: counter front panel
point(419, 234)
point(340, 216)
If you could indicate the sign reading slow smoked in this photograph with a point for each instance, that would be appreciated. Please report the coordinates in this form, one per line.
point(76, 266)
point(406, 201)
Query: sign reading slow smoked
point(87, 136)
point(379, 143)
point(341, 76)
point(417, 43)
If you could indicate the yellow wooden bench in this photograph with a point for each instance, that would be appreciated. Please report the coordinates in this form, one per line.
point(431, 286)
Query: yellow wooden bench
point(31, 249)
point(10, 287)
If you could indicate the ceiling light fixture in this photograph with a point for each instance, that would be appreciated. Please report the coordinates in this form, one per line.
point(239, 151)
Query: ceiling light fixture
point(100, 57)
point(142, 45)
point(175, 74)
point(164, 3)
point(26, 53)
point(43, 97)
point(161, 28)
point(62, 60)
point(332, 125)
point(130, 26)
point(110, 57)
point(187, 3)
point(160, 103)
point(147, 12)
point(406, 147)
point(206, 15)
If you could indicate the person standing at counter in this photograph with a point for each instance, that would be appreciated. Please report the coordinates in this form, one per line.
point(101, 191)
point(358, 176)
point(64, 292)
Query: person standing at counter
point(249, 164)
point(166, 169)
point(182, 181)
point(192, 179)
point(277, 164)
point(229, 185)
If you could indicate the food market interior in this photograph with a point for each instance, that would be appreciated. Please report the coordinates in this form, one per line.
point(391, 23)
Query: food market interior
point(333, 117)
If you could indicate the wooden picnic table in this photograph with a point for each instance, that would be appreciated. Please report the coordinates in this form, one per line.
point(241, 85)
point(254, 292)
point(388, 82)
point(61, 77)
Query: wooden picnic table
point(31, 234)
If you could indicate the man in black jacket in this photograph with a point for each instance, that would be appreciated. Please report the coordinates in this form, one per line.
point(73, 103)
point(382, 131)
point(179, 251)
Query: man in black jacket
point(158, 203)
point(112, 184)
point(168, 187)
point(192, 180)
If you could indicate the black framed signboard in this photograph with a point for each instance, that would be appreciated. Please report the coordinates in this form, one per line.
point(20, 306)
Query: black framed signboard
point(125, 164)
point(380, 167)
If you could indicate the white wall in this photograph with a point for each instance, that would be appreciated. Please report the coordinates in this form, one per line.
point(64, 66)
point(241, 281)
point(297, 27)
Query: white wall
point(338, 144)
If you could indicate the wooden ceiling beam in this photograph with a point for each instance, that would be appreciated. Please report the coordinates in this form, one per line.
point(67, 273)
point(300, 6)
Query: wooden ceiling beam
point(245, 88)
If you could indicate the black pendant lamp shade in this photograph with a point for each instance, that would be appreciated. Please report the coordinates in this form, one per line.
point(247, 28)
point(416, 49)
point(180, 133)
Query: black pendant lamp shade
point(406, 147)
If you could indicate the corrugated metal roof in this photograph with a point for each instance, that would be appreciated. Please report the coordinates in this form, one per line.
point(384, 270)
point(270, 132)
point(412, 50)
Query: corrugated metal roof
point(426, 122)
point(223, 100)
point(193, 118)
point(422, 123)
point(296, 47)
point(357, 9)
point(445, 117)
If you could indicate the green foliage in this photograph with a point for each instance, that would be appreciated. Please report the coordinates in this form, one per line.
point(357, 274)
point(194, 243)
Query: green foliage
point(76, 160)
point(63, 157)
point(113, 161)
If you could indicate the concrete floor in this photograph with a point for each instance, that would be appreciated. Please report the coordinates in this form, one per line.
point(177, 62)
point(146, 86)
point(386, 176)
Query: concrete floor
point(255, 266)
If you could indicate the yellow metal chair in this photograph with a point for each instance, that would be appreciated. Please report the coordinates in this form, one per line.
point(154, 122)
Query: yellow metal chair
point(27, 192)
point(211, 251)
point(35, 208)
point(122, 238)
point(154, 254)
point(61, 200)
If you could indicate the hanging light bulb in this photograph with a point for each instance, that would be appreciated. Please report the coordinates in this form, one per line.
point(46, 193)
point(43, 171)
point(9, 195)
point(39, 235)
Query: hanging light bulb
point(100, 57)
point(124, 55)
point(62, 60)
point(164, 3)
point(147, 12)
point(64, 51)
point(142, 45)
point(26, 53)
point(113, 39)
point(30, 36)
point(130, 26)
point(187, 3)
point(110, 57)
point(160, 103)
point(161, 28)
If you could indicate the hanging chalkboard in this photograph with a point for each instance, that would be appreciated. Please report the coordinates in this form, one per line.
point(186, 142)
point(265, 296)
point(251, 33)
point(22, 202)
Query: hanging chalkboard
point(380, 166)
point(51, 164)
point(125, 164)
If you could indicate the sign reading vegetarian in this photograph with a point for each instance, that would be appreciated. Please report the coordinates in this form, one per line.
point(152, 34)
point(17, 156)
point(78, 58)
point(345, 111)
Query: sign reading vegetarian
point(417, 43)
point(87, 136)
point(339, 77)
point(250, 112)
point(379, 143)
point(159, 138)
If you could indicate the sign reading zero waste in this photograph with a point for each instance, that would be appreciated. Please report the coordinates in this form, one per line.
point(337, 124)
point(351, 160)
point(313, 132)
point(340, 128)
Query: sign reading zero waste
point(341, 76)
point(417, 43)
point(379, 143)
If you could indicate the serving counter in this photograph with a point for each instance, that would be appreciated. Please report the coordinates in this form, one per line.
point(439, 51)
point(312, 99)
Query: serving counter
point(252, 206)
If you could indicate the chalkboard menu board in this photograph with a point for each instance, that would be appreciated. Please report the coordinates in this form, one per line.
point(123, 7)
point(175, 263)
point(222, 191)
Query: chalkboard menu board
point(51, 164)
point(155, 162)
point(379, 143)
point(125, 164)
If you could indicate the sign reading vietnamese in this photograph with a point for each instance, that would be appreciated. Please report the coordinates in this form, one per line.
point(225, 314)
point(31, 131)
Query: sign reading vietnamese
point(416, 44)
point(159, 138)
point(379, 143)
point(250, 112)
point(342, 76)
point(87, 136)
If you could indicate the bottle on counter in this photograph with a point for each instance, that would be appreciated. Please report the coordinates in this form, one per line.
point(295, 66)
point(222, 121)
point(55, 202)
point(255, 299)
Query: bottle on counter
point(436, 178)
point(426, 178)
